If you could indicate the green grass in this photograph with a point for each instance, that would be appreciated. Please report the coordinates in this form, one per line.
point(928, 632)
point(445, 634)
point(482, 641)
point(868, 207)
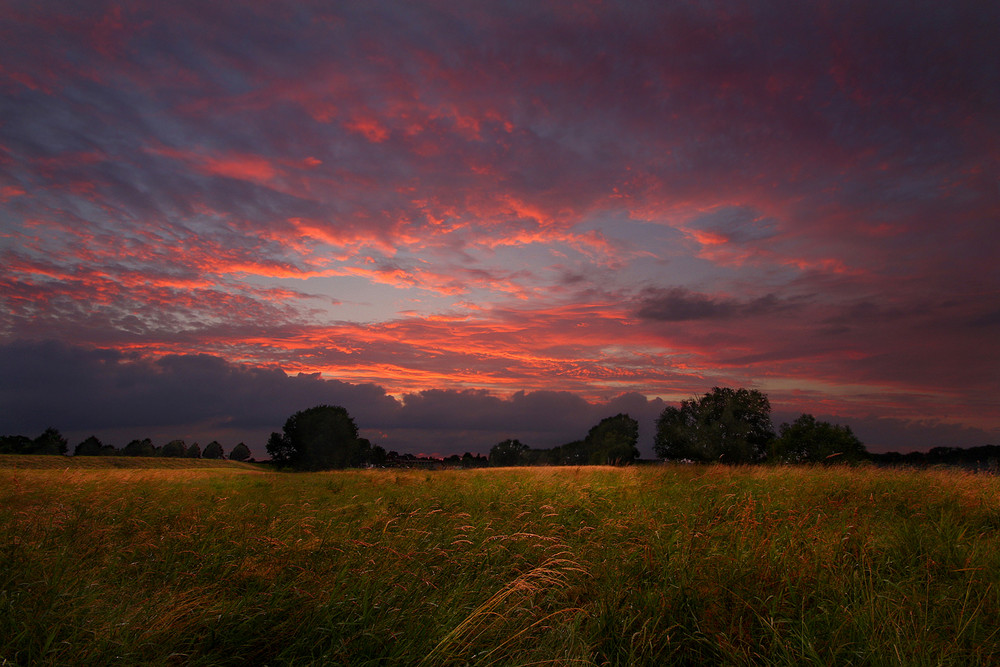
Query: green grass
point(568, 566)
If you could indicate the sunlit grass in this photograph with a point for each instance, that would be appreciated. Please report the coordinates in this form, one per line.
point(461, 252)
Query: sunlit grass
point(657, 565)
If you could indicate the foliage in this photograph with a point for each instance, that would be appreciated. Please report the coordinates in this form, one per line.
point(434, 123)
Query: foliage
point(613, 441)
point(508, 453)
point(50, 442)
point(174, 449)
point(16, 444)
point(213, 450)
point(89, 447)
point(570, 454)
point(240, 453)
point(984, 457)
point(139, 448)
point(808, 441)
point(727, 425)
point(194, 451)
point(467, 460)
point(376, 454)
point(652, 565)
point(69, 464)
point(320, 438)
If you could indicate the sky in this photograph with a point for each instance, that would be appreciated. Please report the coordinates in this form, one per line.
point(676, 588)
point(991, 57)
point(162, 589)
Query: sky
point(472, 221)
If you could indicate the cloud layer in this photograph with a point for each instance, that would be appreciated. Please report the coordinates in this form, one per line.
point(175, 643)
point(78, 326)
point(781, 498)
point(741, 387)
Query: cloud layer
point(480, 202)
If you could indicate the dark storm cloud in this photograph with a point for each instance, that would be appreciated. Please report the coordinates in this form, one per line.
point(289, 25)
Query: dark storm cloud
point(50, 383)
point(82, 391)
point(679, 305)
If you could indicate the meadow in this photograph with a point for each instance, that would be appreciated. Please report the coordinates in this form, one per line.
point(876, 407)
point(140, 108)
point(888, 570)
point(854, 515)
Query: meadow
point(230, 564)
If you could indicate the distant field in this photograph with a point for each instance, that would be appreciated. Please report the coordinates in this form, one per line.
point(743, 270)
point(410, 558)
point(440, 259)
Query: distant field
point(566, 566)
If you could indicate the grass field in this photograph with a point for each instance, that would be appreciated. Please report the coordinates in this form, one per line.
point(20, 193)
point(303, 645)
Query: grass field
point(648, 565)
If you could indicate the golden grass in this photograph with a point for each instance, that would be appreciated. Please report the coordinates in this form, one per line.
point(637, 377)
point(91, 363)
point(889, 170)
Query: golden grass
point(591, 565)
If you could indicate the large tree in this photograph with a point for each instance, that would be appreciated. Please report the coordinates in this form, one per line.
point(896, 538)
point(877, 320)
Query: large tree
point(806, 441)
point(613, 441)
point(240, 453)
point(319, 438)
point(140, 448)
point(213, 450)
point(50, 441)
point(728, 425)
point(92, 446)
point(174, 449)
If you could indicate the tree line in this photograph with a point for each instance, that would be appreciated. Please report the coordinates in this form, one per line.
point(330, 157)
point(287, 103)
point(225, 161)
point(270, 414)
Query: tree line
point(51, 441)
point(724, 425)
point(734, 426)
point(611, 442)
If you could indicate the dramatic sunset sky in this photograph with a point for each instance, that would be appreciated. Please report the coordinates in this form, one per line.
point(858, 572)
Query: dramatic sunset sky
point(468, 221)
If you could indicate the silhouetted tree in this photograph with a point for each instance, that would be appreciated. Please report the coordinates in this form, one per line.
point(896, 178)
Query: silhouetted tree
point(319, 438)
point(279, 448)
point(89, 447)
point(16, 444)
point(174, 449)
point(508, 453)
point(139, 448)
point(194, 451)
point(613, 440)
point(50, 442)
point(807, 440)
point(470, 460)
point(240, 453)
point(729, 425)
point(376, 453)
point(571, 454)
point(213, 450)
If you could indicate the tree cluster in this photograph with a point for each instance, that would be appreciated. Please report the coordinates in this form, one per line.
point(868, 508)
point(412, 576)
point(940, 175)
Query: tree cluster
point(173, 449)
point(984, 457)
point(321, 438)
point(734, 426)
point(611, 442)
point(51, 441)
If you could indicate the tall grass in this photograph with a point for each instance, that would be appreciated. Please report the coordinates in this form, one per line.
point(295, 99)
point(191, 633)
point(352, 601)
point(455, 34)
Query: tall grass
point(658, 565)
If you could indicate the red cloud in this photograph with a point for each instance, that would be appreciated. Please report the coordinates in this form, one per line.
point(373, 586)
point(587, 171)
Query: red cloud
point(370, 128)
point(251, 168)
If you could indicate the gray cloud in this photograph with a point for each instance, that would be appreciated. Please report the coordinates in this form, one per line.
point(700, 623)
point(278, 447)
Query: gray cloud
point(82, 391)
point(678, 304)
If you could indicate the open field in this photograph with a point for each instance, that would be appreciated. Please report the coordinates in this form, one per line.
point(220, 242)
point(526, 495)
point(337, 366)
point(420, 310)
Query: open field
point(653, 565)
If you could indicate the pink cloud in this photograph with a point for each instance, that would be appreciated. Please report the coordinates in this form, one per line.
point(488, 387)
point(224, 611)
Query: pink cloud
point(585, 197)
